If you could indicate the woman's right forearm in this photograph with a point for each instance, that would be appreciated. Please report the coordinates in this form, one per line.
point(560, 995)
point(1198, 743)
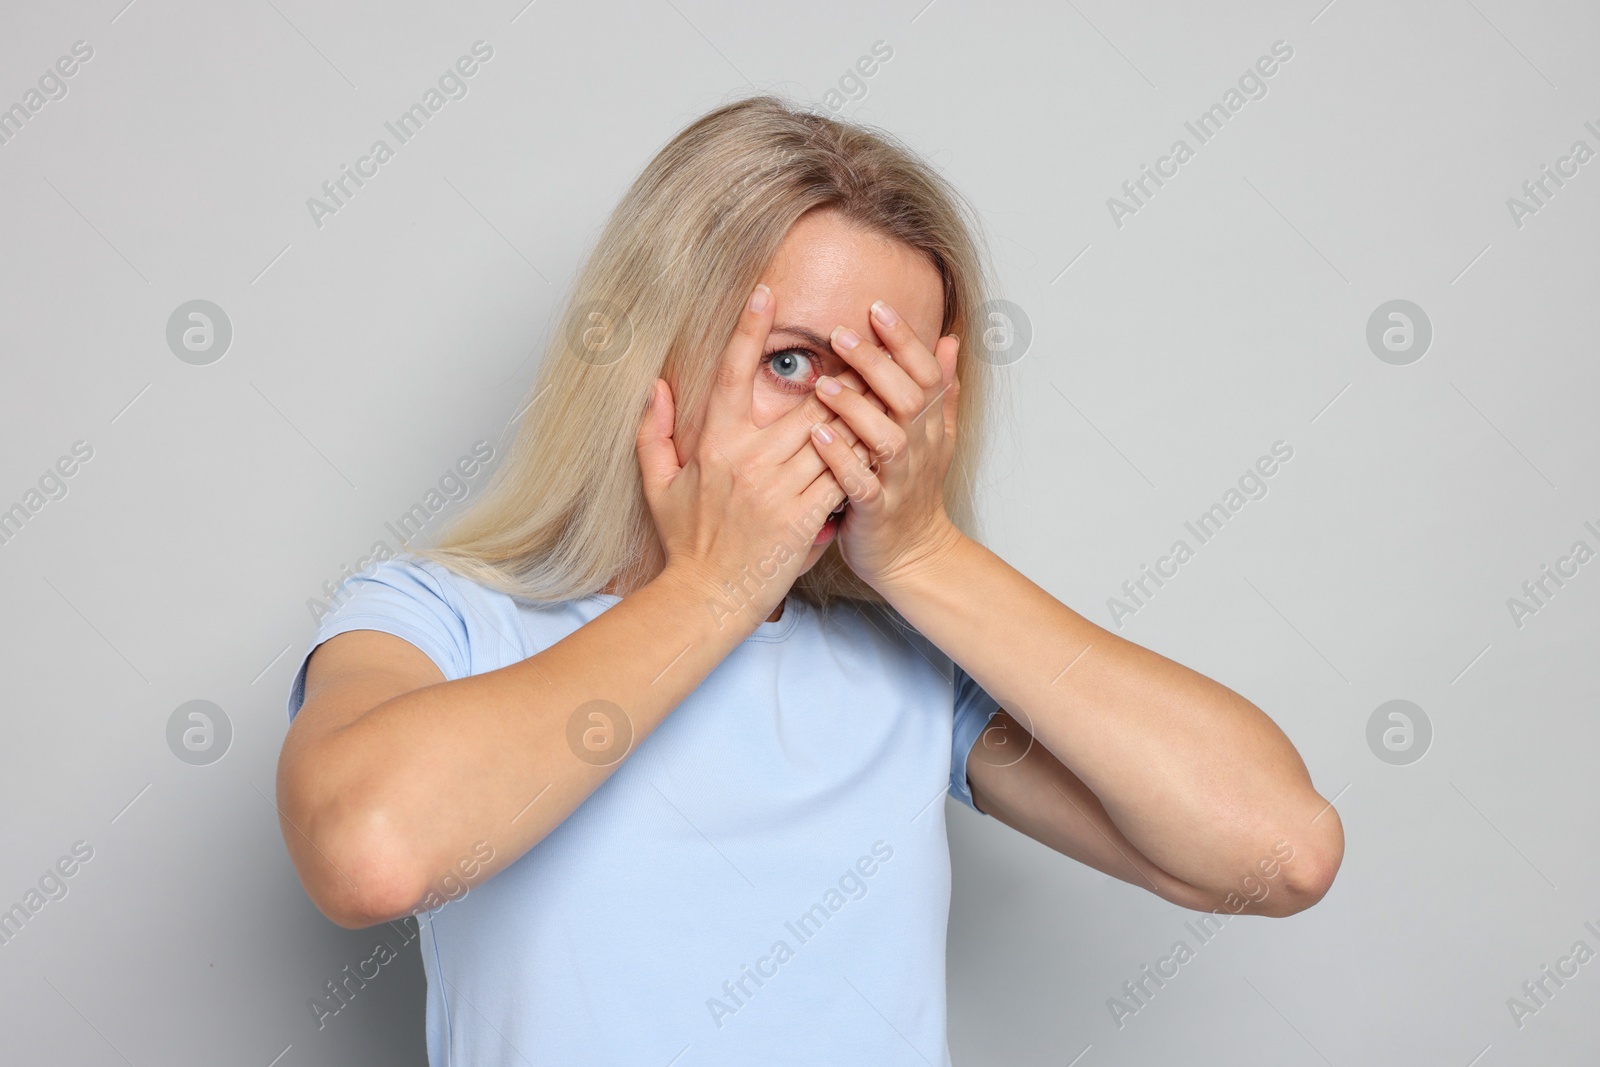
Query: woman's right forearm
point(416, 792)
point(437, 789)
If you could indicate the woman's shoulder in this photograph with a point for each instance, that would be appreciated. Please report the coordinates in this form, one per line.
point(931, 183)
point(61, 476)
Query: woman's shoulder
point(416, 575)
point(420, 590)
point(478, 625)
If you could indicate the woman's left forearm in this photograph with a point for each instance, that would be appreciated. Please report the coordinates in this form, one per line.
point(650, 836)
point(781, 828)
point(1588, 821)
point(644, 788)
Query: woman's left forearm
point(1198, 778)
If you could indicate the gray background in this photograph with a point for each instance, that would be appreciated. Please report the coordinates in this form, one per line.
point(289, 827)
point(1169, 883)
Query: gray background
point(1168, 354)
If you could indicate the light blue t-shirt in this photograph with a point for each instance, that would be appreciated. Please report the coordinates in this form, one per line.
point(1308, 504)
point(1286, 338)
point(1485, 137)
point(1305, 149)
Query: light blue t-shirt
point(764, 879)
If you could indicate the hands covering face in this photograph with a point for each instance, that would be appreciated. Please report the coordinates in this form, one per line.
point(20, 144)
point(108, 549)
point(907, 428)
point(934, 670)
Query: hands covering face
point(896, 517)
point(740, 497)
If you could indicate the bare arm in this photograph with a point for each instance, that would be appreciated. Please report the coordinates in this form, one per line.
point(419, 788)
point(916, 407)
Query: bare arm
point(1039, 796)
point(393, 781)
point(1158, 772)
point(391, 776)
point(1198, 780)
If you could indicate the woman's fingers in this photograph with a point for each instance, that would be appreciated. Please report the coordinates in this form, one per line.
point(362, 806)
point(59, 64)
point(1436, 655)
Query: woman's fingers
point(803, 467)
point(822, 496)
point(883, 375)
point(792, 432)
point(658, 456)
point(945, 352)
point(728, 408)
point(854, 475)
point(884, 438)
point(905, 346)
point(851, 380)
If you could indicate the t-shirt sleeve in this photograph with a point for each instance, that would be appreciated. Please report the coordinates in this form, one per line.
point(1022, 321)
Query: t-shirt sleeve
point(399, 596)
point(974, 709)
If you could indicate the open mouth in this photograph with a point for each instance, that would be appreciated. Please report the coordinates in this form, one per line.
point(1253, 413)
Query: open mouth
point(830, 525)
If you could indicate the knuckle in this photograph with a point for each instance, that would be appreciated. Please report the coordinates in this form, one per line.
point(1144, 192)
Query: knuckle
point(860, 486)
point(707, 454)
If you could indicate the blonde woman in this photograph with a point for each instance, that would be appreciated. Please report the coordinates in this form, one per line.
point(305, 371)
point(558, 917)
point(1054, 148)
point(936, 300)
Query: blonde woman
point(652, 741)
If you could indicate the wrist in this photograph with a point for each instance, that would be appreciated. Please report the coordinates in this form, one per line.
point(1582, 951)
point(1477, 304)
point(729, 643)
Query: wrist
point(930, 562)
point(687, 583)
point(713, 598)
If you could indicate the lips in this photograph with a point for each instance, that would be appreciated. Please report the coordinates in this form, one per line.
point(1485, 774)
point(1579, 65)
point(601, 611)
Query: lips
point(830, 525)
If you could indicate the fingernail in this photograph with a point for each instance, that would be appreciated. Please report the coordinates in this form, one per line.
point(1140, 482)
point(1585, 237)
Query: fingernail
point(884, 313)
point(822, 434)
point(845, 337)
point(829, 385)
point(759, 298)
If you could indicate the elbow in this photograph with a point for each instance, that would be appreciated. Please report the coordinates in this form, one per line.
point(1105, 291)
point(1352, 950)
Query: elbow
point(1299, 892)
point(354, 863)
point(1291, 878)
point(367, 878)
point(1309, 877)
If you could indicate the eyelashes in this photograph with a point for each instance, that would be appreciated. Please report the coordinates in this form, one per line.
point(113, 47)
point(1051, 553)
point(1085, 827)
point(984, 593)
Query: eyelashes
point(785, 357)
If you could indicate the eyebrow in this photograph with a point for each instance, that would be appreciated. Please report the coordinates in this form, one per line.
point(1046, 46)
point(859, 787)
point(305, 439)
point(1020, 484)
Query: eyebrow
point(810, 335)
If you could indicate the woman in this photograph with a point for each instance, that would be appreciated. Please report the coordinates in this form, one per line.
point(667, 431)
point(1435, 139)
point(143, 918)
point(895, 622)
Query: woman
point(652, 741)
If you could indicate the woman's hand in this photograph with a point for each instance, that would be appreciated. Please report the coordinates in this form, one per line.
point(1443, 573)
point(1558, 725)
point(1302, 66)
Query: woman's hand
point(896, 519)
point(739, 515)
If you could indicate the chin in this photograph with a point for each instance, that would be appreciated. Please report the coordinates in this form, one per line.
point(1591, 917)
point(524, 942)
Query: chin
point(817, 553)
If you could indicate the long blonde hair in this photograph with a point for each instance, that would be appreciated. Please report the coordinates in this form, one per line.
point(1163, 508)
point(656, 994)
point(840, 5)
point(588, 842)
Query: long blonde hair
point(565, 512)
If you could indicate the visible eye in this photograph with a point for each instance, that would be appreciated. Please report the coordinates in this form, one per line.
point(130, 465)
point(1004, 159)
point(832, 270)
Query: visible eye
point(793, 368)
